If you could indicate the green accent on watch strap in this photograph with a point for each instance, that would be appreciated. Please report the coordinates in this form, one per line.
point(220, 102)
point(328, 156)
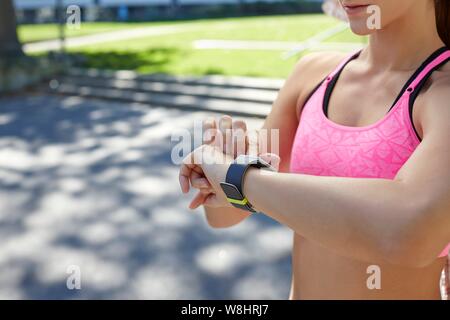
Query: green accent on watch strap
point(242, 202)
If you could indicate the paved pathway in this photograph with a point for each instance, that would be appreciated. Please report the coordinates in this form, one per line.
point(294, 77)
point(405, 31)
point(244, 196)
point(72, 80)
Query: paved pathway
point(316, 39)
point(91, 184)
point(208, 44)
point(112, 36)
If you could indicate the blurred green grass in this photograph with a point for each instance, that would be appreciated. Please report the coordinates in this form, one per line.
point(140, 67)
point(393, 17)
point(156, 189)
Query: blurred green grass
point(39, 32)
point(175, 54)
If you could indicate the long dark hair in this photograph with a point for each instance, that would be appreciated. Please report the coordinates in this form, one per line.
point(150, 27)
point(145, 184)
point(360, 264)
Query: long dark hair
point(443, 20)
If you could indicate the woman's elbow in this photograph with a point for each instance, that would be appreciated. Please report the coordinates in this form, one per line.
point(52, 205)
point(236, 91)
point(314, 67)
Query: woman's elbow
point(412, 244)
point(410, 256)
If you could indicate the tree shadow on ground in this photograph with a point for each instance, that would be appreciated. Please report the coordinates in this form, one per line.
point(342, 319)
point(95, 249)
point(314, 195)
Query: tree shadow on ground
point(92, 184)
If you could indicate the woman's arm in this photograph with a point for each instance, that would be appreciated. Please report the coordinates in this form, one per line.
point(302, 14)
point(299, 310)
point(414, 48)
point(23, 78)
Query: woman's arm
point(308, 72)
point(401, 221)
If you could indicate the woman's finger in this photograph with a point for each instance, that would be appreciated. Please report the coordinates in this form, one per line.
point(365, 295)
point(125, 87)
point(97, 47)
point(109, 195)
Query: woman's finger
point(200, 183)
point(198, 200)
point(207, 190)
point(183, 177)
point(225, 126)
point(186, 169)
point(239, 137)
point(212, 201)
point(208, 127)
point(252, 137)
point(196, 175)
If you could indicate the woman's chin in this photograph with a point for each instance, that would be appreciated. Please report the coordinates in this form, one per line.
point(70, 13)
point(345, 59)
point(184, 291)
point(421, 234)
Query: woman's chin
point(360, 28)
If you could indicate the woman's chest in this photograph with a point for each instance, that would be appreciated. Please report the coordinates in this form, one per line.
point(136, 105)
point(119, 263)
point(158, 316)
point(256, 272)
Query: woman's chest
point(325, 149)
point(359, 101)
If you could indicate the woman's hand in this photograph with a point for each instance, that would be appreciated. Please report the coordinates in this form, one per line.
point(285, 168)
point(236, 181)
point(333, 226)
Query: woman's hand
point(233, 139)
point(209, 165)
point(227, 135)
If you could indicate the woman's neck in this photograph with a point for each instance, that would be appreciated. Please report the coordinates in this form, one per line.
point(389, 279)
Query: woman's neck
point(404, 43)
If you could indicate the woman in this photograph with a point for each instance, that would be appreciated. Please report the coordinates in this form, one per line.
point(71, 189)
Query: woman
point(364, 177)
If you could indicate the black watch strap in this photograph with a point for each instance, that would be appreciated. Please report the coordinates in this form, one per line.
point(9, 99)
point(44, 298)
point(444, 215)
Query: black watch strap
point(233, 185)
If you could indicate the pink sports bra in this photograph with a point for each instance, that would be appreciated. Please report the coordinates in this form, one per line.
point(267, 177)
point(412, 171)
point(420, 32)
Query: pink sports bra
point(325, 148)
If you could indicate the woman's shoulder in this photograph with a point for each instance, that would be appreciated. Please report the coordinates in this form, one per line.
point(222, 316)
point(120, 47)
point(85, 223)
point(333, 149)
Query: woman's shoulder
point(438, 86)
point(311, 69)
point(432, 106)
point(321, 62)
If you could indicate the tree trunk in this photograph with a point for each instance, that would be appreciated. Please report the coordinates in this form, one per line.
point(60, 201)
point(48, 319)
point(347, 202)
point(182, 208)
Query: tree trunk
point(9, 42)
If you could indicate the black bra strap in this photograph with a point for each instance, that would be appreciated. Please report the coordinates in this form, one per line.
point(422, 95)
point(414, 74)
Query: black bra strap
point(419, 87)
point(429, 60)
point(332, 84)
point(333, 81)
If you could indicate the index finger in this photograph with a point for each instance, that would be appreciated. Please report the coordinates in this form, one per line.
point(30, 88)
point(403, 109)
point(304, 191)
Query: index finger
point(186, 168)
point(207, 129)
point(239, 137)
point(253, 143)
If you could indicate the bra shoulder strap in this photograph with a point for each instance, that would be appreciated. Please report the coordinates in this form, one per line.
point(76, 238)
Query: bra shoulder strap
point(426, 71)
point(416, 84)
point(342, 65)
point(332, 78)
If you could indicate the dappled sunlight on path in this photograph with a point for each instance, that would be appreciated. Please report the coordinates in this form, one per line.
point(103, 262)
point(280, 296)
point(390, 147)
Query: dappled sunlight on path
point(91, 183)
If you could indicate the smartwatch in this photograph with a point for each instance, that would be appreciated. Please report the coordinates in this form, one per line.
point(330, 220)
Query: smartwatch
point(234, 183)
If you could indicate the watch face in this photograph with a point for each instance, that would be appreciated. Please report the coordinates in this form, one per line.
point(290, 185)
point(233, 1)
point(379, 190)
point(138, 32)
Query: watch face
point(231, 191)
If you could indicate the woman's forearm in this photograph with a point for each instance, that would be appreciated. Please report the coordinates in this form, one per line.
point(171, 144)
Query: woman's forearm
point(366, 219)
point(224, 217)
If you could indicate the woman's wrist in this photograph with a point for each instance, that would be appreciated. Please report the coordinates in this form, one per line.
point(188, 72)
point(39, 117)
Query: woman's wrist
point(250, 184)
